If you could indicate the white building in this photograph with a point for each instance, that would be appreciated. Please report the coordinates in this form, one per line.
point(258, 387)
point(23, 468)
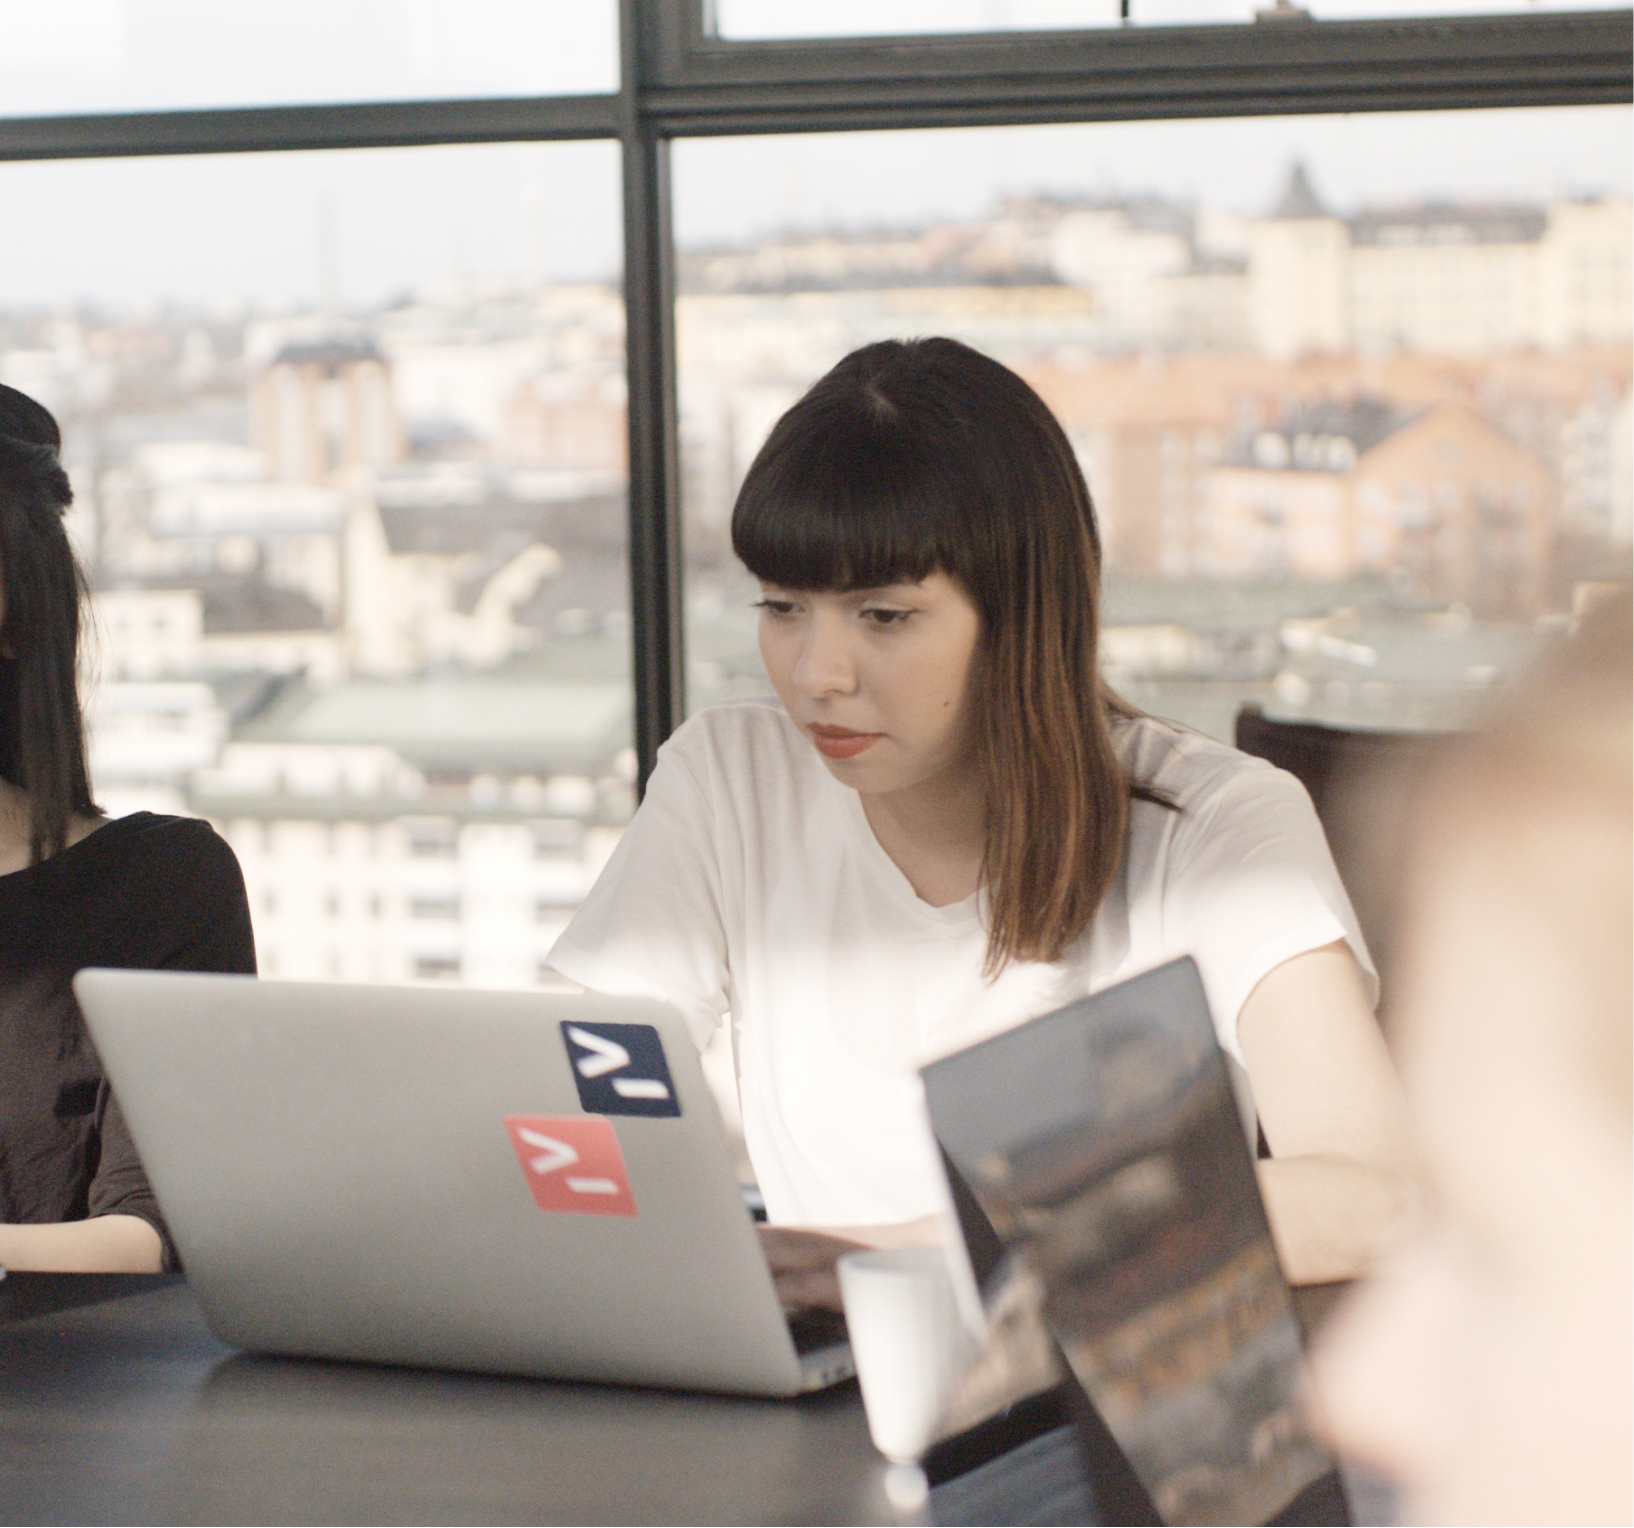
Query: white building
point(358, 871)
point(1441, 279)
point(323, 405)
point(145, 633)
point(145, 740)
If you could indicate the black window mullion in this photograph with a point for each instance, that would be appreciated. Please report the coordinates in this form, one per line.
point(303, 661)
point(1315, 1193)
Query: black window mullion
point(1183, 71)
point(277, 129)
point(657, 657)
point(691, 59)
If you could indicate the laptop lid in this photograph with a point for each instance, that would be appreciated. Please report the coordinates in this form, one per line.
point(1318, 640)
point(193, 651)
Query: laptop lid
point(1103, 1152)
point(515, 1182)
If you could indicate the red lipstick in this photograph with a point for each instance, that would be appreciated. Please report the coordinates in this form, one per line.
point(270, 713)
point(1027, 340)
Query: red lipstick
point(841, 742)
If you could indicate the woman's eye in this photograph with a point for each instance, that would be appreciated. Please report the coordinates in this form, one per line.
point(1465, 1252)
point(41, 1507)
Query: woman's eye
point(884, 616)
point(775, 607)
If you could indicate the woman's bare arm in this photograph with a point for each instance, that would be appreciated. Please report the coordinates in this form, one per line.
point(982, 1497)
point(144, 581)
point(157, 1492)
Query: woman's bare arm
point(105, 1244)
point(1342, 1178)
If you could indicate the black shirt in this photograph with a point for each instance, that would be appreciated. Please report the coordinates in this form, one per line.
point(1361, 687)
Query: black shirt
point(142, 892)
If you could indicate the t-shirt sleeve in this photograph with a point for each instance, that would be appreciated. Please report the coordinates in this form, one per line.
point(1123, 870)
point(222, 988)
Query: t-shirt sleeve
point(654, 924)
point(206, 927)
point(211, 928)
point(120, 1186)
point(1252, 884)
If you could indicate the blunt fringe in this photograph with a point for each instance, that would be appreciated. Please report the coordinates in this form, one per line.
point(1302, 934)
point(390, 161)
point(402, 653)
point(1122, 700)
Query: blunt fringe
point(42, 734)
point(921, 456)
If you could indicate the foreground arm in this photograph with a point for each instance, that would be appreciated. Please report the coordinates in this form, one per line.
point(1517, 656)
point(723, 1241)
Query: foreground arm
point(105, 1244)
point(1341, 1179)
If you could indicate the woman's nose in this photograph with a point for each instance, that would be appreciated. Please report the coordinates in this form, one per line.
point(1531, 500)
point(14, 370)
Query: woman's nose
point(823, 665)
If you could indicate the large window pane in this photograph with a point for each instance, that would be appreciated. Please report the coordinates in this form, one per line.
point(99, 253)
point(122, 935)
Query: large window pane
point(1352, 393)
point(762, 20)
point(74, 56)
point(347, 435)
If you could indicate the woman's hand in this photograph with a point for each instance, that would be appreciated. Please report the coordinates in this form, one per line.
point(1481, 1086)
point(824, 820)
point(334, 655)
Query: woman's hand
point(1342, 1179)
point(802, 1264)
point(802, 1259)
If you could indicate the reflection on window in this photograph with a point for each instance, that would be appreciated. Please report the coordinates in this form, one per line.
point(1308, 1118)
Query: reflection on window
point(74, 56)
point(749, 20)
point(356, 557)
point(1351, 462)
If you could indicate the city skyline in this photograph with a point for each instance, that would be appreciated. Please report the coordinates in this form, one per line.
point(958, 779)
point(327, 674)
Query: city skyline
point(360, 228)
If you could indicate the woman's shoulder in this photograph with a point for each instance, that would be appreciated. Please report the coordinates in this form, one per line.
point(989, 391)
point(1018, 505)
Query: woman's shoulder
point(1184, 765)
point(150, 890)
point(175, 854)
point(159, 834)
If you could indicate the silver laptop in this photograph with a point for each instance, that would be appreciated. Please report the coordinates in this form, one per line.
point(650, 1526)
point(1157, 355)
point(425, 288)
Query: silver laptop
point(512, 1182)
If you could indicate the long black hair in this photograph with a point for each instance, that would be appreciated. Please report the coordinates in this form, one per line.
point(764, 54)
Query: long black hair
point(42, 733)
point(921, 456)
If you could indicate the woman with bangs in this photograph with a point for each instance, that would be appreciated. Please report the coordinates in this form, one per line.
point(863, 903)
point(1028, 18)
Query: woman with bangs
point(947, 824)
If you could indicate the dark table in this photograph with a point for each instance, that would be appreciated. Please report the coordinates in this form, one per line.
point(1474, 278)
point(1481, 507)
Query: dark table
point(127, 1410)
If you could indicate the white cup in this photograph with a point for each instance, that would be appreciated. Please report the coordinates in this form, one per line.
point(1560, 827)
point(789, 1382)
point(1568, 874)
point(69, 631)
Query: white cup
point(909, 1341)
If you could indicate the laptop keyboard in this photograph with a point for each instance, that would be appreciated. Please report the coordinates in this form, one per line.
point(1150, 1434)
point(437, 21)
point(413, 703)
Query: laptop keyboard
point(813, 1329)
point(816, 1329)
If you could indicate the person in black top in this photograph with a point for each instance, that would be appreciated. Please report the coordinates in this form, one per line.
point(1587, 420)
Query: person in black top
point(77, 890)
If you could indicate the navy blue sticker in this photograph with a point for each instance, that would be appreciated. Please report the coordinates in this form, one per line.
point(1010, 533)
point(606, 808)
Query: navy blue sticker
point(620, 1069)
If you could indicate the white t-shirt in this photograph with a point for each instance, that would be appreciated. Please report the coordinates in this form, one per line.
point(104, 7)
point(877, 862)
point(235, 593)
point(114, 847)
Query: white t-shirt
point(750, 884)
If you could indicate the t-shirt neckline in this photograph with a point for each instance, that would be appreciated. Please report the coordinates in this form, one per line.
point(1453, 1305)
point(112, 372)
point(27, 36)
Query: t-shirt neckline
point(71, 852)
point(956, 915)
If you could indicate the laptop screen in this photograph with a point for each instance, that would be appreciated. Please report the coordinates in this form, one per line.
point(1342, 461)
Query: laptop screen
point(1101, 1146)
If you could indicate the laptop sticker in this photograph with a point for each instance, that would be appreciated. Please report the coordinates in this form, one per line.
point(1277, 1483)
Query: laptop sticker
point(620, 1069)
point(573, 1165)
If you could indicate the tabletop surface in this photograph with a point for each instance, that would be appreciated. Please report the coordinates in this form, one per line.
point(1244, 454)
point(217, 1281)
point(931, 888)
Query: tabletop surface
point(128, 1410)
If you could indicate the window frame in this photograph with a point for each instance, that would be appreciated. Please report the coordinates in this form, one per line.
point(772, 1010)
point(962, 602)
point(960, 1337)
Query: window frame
point(678, 80)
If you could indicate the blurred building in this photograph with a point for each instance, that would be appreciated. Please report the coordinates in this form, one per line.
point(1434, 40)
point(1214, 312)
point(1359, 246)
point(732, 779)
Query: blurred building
point(463, 564)
point(507, 373)
point(1147, 431)
point(1299, 277)
point(144, 740)
point(1440, 278)
point(1439, 497)
point(429, 829)
point(325, 404)
point(1151, 429)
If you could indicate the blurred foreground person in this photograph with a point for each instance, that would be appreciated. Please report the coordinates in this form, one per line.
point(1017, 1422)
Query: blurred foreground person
point(1488, 1370)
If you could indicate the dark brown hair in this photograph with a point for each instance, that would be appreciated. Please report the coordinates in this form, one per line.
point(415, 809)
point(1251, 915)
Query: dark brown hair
point(42, 736)
point(923, 456)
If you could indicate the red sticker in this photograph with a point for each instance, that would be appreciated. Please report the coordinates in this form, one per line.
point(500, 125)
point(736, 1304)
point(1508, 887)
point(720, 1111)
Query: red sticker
point(572, 1163)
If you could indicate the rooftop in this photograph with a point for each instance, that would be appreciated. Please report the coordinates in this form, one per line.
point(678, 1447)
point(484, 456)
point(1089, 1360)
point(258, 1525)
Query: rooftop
point(1444, 223)
point(1299, 199)
point(459, 721)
